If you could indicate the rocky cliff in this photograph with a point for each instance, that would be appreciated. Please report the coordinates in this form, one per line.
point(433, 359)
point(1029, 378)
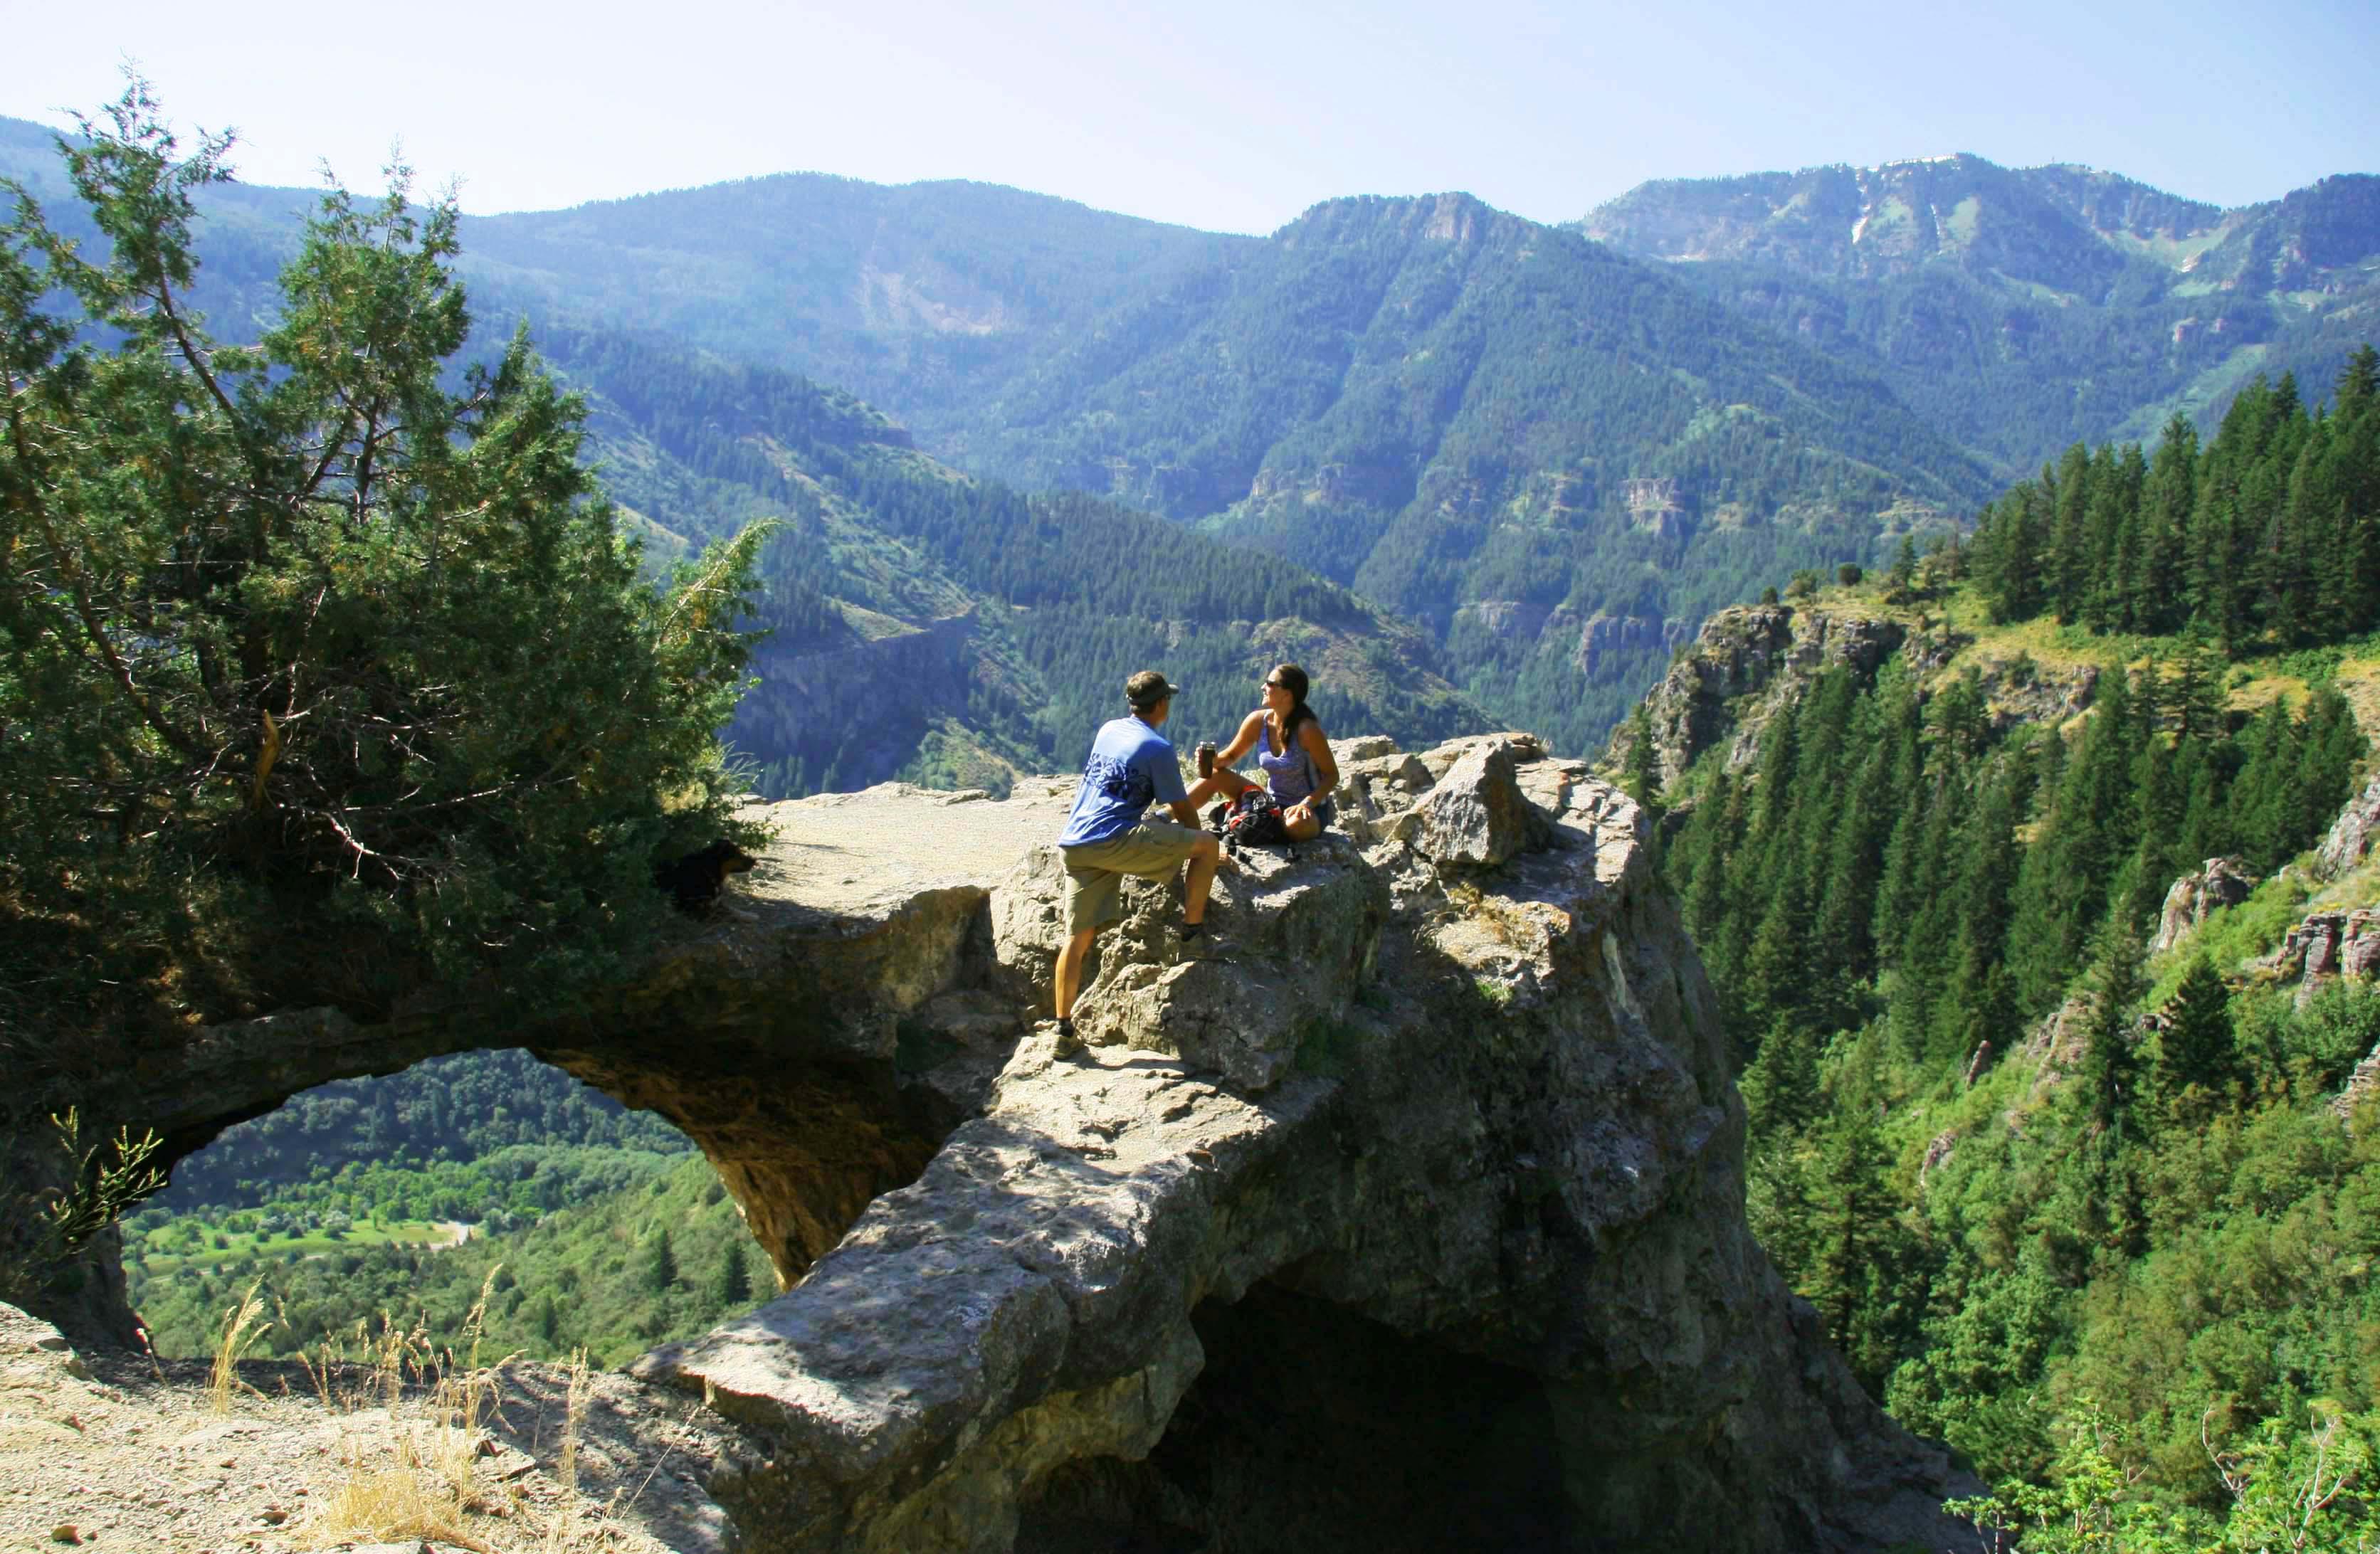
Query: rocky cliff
point(1413, 1220)
point(1750, 660)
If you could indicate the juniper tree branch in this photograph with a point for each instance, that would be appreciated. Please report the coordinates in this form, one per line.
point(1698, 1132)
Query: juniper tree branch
point(78, 591)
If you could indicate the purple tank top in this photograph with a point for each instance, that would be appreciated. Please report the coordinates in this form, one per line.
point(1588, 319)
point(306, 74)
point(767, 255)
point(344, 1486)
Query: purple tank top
point(1290, 775)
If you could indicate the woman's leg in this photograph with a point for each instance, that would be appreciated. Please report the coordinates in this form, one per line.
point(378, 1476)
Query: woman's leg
point(1316, 818)
point(1229, 784)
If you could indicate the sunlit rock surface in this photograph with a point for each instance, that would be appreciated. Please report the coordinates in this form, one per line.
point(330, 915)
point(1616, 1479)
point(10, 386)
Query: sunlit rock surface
point(1412, 1219)
point(1455, 1103)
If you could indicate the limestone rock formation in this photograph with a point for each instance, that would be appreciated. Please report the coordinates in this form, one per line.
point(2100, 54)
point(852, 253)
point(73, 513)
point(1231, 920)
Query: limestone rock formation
point(2351, 836)
point(1499, 1135)
point(1444, 1143)
point(2325, 946)
point(1742, 665)
point(1750, 660)
point(2223, 882)
point(1602, 634)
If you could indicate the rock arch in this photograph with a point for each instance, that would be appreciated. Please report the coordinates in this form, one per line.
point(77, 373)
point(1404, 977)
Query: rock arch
point(1461, 1082)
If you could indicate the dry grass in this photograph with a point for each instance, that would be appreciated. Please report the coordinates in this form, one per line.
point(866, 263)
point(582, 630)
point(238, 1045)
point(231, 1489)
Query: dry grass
point(562, 1531)
point(411, 1435)
point(241, 1329)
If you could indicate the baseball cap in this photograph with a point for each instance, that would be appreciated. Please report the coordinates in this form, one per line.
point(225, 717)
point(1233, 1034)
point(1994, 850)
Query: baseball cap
point(1148, 688)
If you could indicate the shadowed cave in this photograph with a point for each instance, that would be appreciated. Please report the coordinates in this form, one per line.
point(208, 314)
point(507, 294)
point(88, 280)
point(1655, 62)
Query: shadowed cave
point(1311, 1428)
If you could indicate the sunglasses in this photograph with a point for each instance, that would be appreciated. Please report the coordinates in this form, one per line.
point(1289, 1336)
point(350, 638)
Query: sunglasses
point(1275, 685)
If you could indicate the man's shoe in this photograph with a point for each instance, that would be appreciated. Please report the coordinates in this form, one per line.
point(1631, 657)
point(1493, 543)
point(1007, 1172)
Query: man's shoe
point(1068, 1043)
point(1203, 940)
point(1206, 758)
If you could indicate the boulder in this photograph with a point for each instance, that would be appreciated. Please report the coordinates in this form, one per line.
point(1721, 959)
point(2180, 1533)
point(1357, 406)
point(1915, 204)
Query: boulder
point(1476, 817)
point(1302, 937)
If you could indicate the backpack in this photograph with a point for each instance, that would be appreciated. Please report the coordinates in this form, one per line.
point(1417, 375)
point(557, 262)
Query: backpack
point(1253, 820)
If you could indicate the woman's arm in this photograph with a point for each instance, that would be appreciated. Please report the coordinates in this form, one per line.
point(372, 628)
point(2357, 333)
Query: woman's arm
point(1242, 742)
point(1317, 750)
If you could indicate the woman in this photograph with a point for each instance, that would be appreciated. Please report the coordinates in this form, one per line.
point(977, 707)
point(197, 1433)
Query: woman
point(1290, 749)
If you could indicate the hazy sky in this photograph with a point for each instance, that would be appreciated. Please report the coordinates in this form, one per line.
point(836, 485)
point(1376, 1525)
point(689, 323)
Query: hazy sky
point(1225, 114)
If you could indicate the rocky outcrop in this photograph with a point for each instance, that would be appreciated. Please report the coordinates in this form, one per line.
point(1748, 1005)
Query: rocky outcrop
point(2350, 837)
point(1600, 635)
point(1512, 620)
point(2362, 1088)
point(859, 702)
point(1745, 662)
point(2325, 946)
point(2223, 882)
point(812, 1042)
point(1498, 1137)
point(1446, 1132)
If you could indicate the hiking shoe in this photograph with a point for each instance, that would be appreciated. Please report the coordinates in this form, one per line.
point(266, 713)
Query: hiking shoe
point(1206, 758)
point(1203, 940)
point(1068, 1043)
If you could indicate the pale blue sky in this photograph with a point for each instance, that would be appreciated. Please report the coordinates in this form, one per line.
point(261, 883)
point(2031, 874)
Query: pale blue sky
point(1228, 114)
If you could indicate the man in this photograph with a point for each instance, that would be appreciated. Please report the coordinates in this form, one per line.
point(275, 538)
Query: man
point(1130, 767)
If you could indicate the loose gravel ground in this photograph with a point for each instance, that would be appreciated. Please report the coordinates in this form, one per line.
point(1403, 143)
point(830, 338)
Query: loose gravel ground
point(113, 1452)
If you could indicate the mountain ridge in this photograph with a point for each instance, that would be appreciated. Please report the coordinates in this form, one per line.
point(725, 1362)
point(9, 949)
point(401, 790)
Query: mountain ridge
point(2023, 310)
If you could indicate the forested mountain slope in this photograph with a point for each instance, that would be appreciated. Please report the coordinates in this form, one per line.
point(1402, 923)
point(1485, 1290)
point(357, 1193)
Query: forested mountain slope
point(2022, 308)
point(2089, 1213)
point(1554, 459)
point(1435, 402)
point(1499, 430)
point(923, 624)
point(951, 630)
point(929, 298)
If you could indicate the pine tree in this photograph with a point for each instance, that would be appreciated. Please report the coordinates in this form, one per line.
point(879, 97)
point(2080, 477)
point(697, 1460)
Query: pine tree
point(731, 1286)
point(1780, 1087)
point(328, 625)
point(2197, 1060)
point(1980, 1004)
point(1697, 863)
point(2107, 1080)
point(1903, 573)
point(2168, 495)
point(1774, 981)
point(2107, 1086)
point(1642, 776)
point(658, 1269)
point(1859, 1270)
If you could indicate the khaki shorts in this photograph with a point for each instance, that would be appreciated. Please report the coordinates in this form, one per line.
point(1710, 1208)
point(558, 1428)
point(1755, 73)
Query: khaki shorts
point(1095, 872)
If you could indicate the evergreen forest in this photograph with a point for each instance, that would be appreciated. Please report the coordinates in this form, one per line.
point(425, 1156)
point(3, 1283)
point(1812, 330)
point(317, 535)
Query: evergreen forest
point(2085, 1212)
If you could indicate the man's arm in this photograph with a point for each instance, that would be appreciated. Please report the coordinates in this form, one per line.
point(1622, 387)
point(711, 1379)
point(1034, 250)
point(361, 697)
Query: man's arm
point(1185, 809)
point(1165, 774)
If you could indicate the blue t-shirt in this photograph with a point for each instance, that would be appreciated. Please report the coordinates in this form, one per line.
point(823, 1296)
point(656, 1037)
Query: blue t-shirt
point(1131, 767)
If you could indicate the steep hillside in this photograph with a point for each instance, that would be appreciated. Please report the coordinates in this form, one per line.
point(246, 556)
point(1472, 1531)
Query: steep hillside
point(2086, 1203)
point(928, 297)
point(1494, 429)
point(1435, 402)
point(1553, 459)
point(950, 630)
point(924, 624)
point(2021, 309)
